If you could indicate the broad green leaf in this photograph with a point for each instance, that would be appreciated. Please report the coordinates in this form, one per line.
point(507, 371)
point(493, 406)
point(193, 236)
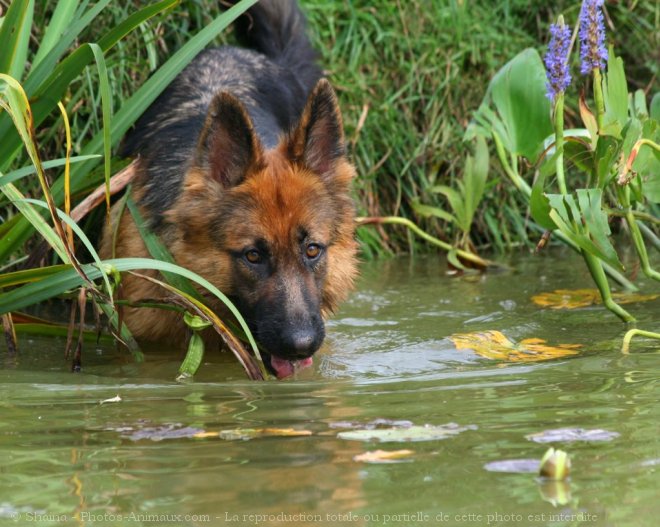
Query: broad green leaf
point(428, 210)
point(647, 162)
point(580, 220)
point(539, 205)
point(639, 105)
point(615, 94)
point(474, 179)
point(15, 37)
point(579, 153)
point(517, 92)
point(455, 202)
point(655, 107)
point(607, 154)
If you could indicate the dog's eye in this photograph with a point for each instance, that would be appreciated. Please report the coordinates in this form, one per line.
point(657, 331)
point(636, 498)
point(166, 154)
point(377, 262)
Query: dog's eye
point(313, 251)
point(253, 256)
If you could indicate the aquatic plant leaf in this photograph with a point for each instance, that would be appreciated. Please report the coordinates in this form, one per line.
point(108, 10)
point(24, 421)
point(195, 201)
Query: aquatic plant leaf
point(585, 223)
point(654, 108)
point(572, 434)
point(406, 434)
point(495, 345)
point(384, 456)
point(517, 466)
point(576, 298)
point(158, 433)
point(244, 434)
point(517, 92)
point(607, 152)
point(615, 94)
point(371, 425)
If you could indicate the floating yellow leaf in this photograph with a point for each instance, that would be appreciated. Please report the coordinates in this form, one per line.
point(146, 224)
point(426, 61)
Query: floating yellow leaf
point(383, 456)
point(574, 298)
point(253, 433)
point(494, 345)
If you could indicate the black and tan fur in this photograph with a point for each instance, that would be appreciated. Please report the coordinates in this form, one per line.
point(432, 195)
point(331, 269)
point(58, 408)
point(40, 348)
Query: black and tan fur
point(243, 174)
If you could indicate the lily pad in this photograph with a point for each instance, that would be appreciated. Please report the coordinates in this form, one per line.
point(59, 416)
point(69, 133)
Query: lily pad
point(518, 466)
point(495, 345)
point(244, 434)
point(371, 425)
point(576, 298)
point(406, 434)
point(564, 435)
point(384, 456)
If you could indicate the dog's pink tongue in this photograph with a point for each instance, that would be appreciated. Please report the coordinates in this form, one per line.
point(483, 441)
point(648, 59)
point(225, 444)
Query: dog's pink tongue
point(285, 368)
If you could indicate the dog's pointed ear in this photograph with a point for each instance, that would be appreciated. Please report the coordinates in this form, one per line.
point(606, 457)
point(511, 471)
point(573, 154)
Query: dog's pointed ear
point(318, 140)
point(228, 147)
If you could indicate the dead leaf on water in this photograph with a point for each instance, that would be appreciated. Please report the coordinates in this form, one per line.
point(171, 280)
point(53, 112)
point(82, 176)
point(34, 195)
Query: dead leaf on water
point(575, 298)
point(384, 456)
point(495, 345)
point(244, 434)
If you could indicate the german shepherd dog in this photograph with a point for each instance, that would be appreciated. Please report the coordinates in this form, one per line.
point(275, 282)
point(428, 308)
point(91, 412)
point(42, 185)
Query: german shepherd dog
point(242, 172)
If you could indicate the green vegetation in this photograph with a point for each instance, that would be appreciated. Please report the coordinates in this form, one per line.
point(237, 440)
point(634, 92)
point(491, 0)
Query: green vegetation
point(410, 76)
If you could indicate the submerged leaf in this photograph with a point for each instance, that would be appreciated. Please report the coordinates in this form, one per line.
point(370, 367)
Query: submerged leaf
point(406, 434)
point(245, 434)
point(574, 298)
point(572, 434)
point(518, 466)
point(384, 456)
point(495, 345)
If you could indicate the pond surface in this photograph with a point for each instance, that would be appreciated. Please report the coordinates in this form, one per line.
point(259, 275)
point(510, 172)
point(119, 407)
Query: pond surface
point(65, 459)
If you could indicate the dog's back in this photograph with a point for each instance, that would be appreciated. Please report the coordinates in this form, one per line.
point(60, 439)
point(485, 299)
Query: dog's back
point(272, 78)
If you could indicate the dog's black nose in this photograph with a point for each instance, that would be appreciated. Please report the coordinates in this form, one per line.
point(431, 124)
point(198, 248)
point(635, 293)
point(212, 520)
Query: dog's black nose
point(301, 342)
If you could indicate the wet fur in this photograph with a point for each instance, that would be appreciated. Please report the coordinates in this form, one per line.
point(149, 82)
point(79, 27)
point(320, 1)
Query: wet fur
point(244, 149)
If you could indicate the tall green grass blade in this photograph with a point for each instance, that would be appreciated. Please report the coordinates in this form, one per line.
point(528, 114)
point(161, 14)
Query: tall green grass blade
point(82, 236)
point(9, 244)
point(63, 15)
point(158, 251)
point(33, 293)
point(106, 105)
point(130, 111)
point(20, 173)
point(26, 276)
point(47, 94)
point(40, 72)
point(15, 36)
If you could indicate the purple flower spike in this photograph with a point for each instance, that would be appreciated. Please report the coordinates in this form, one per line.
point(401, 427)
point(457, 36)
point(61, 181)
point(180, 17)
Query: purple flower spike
point(592, 36)
point(556, 61)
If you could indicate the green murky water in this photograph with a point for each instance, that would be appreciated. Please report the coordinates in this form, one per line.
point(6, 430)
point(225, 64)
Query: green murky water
point(65, 459)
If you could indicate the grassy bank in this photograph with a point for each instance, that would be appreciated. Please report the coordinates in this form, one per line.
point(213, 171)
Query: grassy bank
point(409, 74)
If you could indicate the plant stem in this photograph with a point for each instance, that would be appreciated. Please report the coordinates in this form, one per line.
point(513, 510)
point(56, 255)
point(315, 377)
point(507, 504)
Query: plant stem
point(598, 97)
point(625, 349)
point(624, 197)
point(519, 182)
point(598, 274)
point(397, 220)
point(559, 142)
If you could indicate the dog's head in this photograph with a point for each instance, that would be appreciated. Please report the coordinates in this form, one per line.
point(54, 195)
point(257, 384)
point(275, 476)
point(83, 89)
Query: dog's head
point(273, 229)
